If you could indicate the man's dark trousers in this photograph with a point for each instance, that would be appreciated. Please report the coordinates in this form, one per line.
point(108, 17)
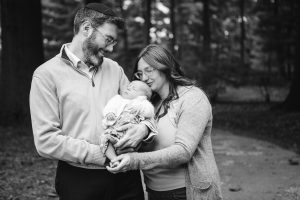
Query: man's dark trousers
point(74, 183)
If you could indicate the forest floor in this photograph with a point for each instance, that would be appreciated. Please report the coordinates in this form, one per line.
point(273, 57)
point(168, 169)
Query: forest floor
point(247, 138)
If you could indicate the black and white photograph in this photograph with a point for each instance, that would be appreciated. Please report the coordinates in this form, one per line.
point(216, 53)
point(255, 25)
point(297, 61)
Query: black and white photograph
point(149, 100)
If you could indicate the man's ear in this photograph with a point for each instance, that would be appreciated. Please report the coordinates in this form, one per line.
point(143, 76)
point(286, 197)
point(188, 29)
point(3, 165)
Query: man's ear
point(86, 28)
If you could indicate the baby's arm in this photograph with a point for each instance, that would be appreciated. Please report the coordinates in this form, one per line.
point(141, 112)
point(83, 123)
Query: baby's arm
point(111, 154)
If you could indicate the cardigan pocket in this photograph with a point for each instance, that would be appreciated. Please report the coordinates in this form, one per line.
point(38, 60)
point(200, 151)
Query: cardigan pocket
point(199, 181)
point(207, 192)
point(202, 185)
point(202, 192)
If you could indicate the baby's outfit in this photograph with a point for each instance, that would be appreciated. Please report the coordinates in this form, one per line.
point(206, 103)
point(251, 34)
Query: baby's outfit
point(120, 111)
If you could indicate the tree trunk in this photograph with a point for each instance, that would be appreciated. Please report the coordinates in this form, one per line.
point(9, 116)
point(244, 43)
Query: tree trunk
point(126, 57)
point(292, 101)
point(22, 52)
point(206, 32)
point(173, 26)
point(243, 35)
point(147, 17)
point(124, 31)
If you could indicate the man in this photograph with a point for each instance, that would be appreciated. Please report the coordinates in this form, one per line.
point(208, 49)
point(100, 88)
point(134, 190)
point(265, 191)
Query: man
point(68, 94)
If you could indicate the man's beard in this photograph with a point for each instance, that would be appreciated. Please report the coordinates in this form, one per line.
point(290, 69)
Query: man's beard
point(91, 52)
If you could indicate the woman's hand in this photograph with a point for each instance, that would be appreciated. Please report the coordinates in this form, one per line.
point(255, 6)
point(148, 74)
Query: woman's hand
point(135, 133)
point(123, 166)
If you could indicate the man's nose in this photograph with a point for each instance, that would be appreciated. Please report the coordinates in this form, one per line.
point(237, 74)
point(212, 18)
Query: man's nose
point(109, 48)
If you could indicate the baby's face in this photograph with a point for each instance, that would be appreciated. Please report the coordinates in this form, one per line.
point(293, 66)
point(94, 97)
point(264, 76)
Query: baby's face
point(135, 89)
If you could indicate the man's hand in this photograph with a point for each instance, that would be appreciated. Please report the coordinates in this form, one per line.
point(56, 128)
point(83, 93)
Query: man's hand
point(123, 164)
point(135, 133)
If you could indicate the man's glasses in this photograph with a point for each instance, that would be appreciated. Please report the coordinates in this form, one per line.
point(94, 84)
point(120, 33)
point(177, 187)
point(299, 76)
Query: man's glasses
point(148, 72)
point(108, 39)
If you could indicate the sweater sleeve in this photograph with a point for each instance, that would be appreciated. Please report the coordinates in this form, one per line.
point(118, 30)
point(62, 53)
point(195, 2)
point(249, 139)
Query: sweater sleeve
point(123, 83)
point(50, 141)
point(194, 116)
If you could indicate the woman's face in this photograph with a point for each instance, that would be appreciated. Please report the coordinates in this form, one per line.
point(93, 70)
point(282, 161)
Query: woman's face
point(155, 79)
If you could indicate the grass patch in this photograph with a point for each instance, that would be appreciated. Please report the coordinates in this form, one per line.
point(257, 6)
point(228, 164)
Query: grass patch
point(259, 120)
point(24, 175)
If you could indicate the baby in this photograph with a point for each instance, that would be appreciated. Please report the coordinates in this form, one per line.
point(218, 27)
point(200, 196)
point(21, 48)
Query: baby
point(131, 106)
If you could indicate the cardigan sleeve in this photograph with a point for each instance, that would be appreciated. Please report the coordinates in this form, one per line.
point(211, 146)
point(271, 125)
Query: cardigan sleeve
point(193, 118)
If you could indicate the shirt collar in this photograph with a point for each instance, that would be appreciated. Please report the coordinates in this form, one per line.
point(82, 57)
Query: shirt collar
point(73, 58)
point(67, 54)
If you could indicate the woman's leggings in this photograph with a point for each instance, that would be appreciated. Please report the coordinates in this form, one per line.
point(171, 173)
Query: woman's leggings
point(177, 194)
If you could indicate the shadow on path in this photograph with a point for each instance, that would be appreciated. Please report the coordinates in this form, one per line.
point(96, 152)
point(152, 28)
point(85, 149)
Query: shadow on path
point(252, 169)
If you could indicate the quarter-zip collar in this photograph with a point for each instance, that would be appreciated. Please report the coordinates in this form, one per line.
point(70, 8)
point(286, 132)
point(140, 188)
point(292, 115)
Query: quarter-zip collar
point(77, 64)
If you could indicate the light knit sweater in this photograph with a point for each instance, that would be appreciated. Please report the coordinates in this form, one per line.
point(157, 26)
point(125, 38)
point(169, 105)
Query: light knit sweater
point(192, 114)
point(66, 109)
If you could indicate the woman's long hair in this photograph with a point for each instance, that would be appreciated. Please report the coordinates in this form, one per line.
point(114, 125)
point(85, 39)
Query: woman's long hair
point(162, 60)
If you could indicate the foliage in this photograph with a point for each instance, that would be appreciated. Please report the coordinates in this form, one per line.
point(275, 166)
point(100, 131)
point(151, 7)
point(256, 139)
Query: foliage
point(57, 23)
point(274, 36)
point(266, 53)
point(133, 37)
point(23, 173)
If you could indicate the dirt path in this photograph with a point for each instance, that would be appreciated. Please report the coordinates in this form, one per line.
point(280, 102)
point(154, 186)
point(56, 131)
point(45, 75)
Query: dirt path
point(251, 169)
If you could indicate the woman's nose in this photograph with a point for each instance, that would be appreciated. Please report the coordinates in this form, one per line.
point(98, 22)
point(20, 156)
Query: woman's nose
point(144, 78)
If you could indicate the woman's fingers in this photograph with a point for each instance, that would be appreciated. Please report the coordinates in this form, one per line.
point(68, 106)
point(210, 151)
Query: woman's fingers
point(123, 166)
point(126, 150)
point(134, 135)
point(116, 169)
point(124, 127)
point(117, 159)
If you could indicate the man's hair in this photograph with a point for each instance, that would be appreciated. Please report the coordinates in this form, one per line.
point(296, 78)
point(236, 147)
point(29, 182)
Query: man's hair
point(95, 18)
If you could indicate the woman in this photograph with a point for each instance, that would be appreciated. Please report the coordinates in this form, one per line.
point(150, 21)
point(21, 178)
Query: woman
point(179, 163)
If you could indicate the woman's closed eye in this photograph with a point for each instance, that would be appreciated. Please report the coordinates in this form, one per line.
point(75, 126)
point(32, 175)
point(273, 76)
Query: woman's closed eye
point(149, 70)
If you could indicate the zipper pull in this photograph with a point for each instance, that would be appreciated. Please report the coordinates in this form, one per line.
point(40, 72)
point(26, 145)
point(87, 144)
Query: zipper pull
point(93, 84)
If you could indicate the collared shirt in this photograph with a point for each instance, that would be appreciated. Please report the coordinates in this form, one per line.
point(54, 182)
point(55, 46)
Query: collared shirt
point(79, 63)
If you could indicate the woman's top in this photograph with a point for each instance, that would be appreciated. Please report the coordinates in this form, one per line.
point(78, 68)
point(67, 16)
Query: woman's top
point(163, 179)
point(192, 115)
